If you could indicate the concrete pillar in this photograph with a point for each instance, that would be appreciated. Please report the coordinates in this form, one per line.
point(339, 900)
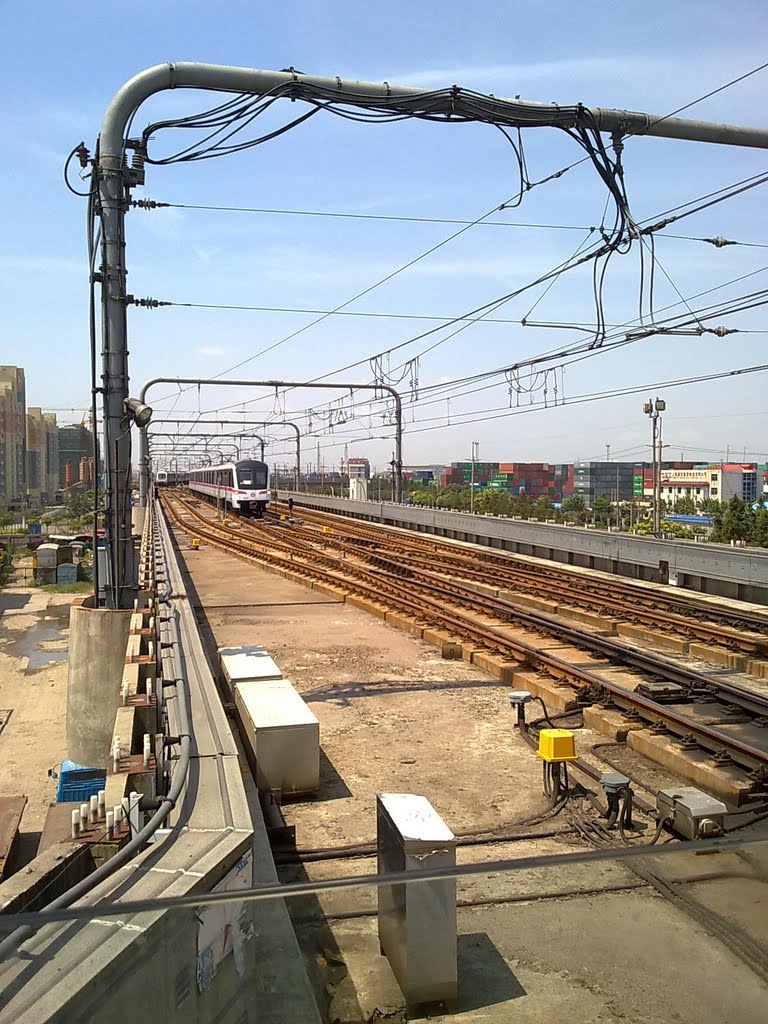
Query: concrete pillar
point(97, 644)
point(138, 515)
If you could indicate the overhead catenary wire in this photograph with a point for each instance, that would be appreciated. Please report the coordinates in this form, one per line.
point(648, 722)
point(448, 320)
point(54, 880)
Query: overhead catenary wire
point(443, 388)
point(752, 182)
point(509, 203)
point(480, 416)
point(151, 204)
point(719, 195)
point(464, 105)
point(283, 891)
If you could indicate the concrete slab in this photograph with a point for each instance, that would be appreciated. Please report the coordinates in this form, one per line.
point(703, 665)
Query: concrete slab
point(758, 668)
point(726, 785)
point(719, 656)
point(609, 723)
point(527, 601)
point(598, 622)
point(640, 633)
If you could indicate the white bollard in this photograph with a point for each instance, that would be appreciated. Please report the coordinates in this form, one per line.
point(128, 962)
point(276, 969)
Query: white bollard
point(93, 812)
point(83, 817)
point(102, 802)
point(110, 824)
point(75, 824)
point(147, 749)
point(117, 816)
point(116, 755)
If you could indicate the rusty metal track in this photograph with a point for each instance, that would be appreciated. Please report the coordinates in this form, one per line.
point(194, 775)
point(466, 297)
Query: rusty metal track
point(445, 606)
point(723, 627)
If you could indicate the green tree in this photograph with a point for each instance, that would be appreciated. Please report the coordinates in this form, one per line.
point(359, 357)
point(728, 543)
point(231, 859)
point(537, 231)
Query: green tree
point(522, 505)
point(542, 508)
point(717, 523)
point(737, 520)
point(759, 533)
point(575, 509)
point(602, 510)
point(684, 507)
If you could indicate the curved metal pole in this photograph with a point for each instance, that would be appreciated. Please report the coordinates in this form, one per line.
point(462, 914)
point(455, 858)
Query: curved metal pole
point(338, 386)
point(242, 436)
point(284, 423)
point(248, 423)
point(114, 181)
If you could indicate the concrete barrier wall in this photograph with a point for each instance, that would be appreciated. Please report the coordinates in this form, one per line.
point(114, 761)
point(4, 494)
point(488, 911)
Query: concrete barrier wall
point(740, 573)
point(233, 964)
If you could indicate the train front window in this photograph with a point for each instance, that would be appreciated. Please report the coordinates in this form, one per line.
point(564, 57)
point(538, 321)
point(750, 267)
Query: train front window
point(252, 475)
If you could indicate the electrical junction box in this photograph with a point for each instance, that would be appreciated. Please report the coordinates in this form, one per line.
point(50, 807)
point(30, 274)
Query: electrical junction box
point(691, 813)
point(557, 745)
point(282, 734)
point(417, 923)
point(247, 664)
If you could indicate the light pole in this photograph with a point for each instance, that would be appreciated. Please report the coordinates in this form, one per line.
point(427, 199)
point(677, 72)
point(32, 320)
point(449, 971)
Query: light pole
point(475, 447)
point(653, 409)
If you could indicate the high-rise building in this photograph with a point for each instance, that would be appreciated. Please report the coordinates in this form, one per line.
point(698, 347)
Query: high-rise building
point(3, 403)
point(75, 443)
point(13, 435)
point(42, 456)
point(51, 455)
point(86, 471)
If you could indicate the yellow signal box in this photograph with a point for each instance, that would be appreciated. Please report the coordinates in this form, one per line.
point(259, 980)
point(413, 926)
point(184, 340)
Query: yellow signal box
point(557, 745)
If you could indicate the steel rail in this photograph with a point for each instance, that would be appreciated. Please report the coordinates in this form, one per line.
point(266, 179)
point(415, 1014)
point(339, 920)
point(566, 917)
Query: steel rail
point(443, 548)
point(756, 645)
point(493, 638)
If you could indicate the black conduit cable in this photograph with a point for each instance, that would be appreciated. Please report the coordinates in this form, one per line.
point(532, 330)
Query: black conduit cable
point(748, 950)
point(11, 943)
point(298, 857)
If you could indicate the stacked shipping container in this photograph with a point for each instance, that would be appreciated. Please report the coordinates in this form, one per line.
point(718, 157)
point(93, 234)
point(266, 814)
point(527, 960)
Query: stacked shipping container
point(535, 479)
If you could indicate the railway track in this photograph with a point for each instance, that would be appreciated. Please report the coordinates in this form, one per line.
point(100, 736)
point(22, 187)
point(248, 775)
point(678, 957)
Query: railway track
point(467, 616)
point(678, 615)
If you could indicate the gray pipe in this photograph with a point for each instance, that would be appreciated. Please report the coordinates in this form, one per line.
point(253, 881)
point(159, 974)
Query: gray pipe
point(110, 174)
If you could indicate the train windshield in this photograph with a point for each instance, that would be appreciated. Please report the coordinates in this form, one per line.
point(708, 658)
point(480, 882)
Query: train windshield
point(252, 474)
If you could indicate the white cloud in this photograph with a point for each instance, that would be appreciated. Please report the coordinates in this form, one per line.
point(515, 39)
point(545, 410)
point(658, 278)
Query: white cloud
point(212, 350)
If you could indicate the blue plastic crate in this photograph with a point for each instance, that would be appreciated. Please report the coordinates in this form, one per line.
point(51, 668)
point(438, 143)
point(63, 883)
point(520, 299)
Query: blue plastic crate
point(78, 784)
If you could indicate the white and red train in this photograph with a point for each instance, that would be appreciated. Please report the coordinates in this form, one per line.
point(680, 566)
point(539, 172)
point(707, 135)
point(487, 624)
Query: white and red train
point(242, 487)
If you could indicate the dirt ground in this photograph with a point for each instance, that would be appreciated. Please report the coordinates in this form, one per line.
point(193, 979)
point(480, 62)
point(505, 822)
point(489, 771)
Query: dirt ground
point(34, 626)
point(584, 943)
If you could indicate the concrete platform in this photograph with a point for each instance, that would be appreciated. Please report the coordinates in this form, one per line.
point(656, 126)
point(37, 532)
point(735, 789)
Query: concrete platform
point(584, 945)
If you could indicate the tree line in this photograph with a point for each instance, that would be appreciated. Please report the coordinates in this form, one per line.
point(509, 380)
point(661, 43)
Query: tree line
point(735, 521)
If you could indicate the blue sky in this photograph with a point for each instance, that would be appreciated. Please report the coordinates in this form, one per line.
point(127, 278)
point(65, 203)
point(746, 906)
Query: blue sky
point(62, 62)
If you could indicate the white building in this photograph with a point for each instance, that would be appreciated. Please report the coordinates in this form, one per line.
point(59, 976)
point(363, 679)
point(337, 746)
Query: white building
point(359, 469)
point(719, 482)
